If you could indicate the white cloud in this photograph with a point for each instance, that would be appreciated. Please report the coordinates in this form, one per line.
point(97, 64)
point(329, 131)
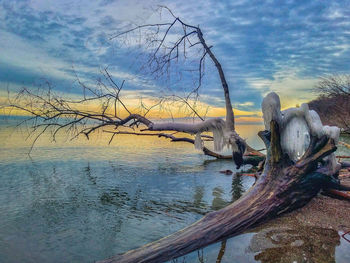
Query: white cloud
point(22, 53)
point(289, 86)
point(247, 103)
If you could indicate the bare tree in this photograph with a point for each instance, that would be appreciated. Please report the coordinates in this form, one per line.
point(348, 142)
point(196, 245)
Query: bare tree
point(333, 102)
point(48, 109)
point(334, 85)
point(289, 176)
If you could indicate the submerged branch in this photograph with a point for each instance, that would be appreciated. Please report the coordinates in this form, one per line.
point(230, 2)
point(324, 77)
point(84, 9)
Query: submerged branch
point(249, 158)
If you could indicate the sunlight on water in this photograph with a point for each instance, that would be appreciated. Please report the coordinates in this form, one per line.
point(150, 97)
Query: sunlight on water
point(80, 200)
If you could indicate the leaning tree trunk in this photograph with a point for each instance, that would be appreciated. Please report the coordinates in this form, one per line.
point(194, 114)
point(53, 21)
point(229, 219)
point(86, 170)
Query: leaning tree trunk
point(284, 185)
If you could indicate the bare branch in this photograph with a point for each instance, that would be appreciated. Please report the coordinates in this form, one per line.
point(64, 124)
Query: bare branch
point(161, 62)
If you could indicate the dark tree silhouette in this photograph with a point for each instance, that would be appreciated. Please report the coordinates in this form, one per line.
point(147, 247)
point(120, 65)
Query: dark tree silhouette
point(333, 102)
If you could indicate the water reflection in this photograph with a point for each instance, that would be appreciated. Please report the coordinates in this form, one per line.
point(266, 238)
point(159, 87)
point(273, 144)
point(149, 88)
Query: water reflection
point(221, 251)
point(142, 208)
point(218, 202)
point(89, 175)
point(237, 187)
point(198, 197)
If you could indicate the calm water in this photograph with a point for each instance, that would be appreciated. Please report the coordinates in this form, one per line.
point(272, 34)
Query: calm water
point(80, 201)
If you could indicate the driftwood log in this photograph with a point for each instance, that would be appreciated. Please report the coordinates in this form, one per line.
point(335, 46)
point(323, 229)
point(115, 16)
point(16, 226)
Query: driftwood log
point(287, 182)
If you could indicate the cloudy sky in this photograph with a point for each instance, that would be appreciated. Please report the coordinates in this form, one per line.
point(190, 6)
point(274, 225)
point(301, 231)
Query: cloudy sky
point(263, 45)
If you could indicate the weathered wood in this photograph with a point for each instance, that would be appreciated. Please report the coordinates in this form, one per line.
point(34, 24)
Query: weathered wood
point(275, 144)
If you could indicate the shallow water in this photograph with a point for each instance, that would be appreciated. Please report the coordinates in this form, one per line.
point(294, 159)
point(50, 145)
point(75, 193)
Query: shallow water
point(80, 201)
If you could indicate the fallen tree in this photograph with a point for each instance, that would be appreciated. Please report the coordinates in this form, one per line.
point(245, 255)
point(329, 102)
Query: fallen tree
point(54, 113)
point(286, 183)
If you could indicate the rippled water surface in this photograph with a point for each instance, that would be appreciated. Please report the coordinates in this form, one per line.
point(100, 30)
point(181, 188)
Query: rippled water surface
point(80, 201)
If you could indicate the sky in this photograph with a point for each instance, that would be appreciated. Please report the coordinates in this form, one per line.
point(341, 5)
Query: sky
point(263, 46)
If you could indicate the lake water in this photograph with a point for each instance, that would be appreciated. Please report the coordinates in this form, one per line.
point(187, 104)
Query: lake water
point(81, 201)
